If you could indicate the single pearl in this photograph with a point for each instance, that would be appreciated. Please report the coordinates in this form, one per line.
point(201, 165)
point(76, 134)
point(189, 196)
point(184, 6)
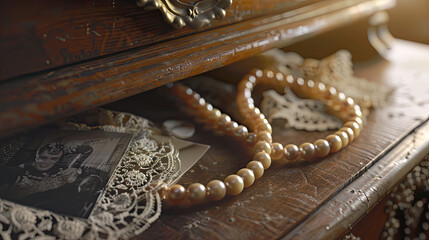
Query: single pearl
point(206, 110)
point(223, 120)
point(276, 151)
point(334, 142)
point(199, 103)
point(331, 93)
point(358, 120)
point(259, 118)
point(349, 102)
point(234, 184)
point(196, 192)
point(214, 115)
point(291, 152)
point(257, 121)
point(264, 158)
point(262, 146)
point(216, 189)
point(322, 147)
point(230, 127)
point(252, 113)
point(320, 90)
point(307, 151)
point(357, 112)
point(163, 191)
point(241, 132)
point(264, 136)
point(251, 137)
point(257, 168)
point(247, 175)
point(264, 127)
point(349, 133)
point(354, 126)
point(340, 98)
point(176, 193)
point(344, 138)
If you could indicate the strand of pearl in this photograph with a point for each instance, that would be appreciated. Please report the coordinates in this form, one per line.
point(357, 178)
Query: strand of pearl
point(265, 150)
point(220, 122)
point(340, 105)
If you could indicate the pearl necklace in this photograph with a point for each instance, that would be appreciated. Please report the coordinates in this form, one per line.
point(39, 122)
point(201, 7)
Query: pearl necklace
point(340, 105)
point(265, 150)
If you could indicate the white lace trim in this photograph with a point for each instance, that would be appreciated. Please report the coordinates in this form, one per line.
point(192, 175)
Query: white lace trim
point(130, 202)
point(301, 114)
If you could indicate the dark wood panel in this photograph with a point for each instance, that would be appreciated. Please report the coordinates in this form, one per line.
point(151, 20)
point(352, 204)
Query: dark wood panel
point(321, 200)
point(39, 98)
point(39, 35)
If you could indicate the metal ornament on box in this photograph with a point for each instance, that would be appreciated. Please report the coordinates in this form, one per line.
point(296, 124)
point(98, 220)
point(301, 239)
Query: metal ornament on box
point(179, 14)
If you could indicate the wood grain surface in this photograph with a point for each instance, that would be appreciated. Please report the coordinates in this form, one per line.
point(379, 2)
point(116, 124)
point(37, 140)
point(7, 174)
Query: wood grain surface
point(321, 200)
point(34, 99)
point(40, 35)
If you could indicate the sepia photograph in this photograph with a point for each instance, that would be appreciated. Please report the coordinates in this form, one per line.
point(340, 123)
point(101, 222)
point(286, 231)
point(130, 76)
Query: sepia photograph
point(61, 171)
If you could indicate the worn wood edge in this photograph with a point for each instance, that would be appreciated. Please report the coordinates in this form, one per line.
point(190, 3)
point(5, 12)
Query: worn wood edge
point(147, 36)
point(369, 186)
point(32, 100)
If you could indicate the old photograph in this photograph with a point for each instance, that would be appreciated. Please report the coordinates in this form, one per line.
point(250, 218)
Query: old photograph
point(61, 171)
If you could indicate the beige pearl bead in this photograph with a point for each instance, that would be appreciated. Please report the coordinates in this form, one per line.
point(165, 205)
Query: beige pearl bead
point(234, 184)
point(262, 146)
point(216, 190)
point(357, 112)
point(264, 158)
point(344, 138)
point(334, 142)
point(205, 110)
point(307, 151)
point(358, 120)
point(330, 93)
point(251, 138)
point(322, 147)
point(253, 113)
point(264, 136)
point(163, 191)
point(223, 120)
point(196, 192)
point(340, 97)
point(230, 127)
point(247, 175)
point(176, 193)
point(258, 118)
point(257, 121)
point(257, 168)
point(276, 151)
point(354, 126)
point(241, 133)
point(264, 127)
point(349, 133)
point(214, 115)
point(291, 152)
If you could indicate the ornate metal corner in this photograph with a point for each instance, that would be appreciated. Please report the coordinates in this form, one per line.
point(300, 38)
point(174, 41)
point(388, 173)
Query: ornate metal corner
point(180, 14)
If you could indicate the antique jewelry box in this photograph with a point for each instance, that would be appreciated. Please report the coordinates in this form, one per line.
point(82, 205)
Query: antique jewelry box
point(61, 58)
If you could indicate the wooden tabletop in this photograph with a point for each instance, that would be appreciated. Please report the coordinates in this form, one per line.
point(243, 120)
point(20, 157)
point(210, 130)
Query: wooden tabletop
point(319, 200)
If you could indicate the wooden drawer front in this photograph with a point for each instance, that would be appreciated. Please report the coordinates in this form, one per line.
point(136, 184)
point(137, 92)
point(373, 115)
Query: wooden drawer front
point(39, 35)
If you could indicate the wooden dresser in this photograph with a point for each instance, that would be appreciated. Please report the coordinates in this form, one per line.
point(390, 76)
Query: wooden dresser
point(59, 58)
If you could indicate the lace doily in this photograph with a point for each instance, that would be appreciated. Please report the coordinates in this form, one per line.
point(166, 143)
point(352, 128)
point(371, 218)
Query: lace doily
point(130, 202)
point(301, 114)
point(335, 70)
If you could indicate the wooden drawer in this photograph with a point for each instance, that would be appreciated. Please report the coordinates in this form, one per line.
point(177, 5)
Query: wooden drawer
point(50, 86)
point(38, 36)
